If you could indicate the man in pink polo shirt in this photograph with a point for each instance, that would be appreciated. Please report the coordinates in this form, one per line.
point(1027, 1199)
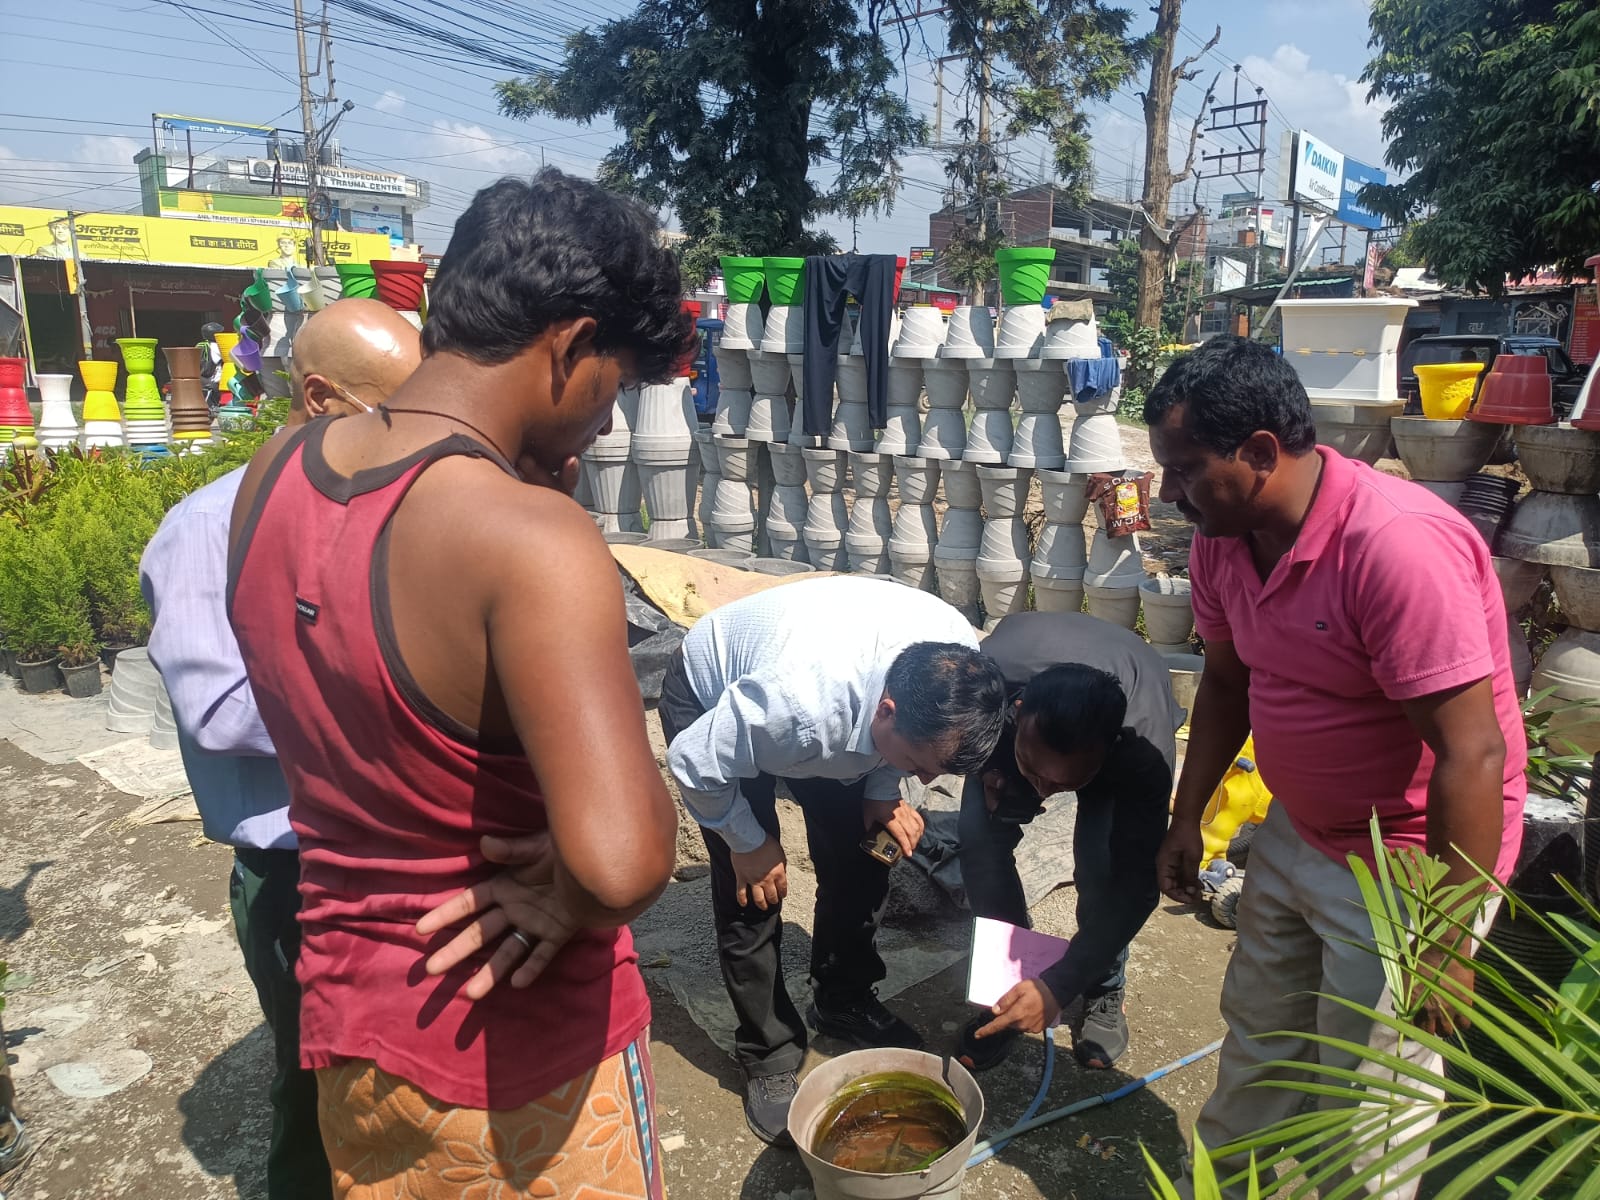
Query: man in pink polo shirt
point(1354, 625)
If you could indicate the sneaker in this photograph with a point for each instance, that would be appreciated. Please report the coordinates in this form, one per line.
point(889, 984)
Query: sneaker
point(980, 1054)
point(1103, 1036)
point(864, 1022)
point(766, 1106)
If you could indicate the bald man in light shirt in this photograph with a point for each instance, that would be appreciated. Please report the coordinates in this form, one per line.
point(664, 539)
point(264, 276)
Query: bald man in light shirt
point(346, 358)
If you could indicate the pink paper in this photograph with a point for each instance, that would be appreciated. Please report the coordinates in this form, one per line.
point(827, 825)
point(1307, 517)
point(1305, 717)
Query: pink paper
point(1003, 955)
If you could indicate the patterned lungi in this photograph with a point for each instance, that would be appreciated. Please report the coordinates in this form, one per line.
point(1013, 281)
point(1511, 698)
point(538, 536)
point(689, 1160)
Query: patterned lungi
point(593, 1138)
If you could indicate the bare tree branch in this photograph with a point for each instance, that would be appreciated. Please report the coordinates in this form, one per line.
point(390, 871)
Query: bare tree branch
point(1178, 71)
point(1194, 130)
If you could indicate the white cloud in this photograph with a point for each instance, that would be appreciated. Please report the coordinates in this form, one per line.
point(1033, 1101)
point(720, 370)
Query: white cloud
point(390, 102)
point(473, 146)
point(1332, 105)
point(96, 173)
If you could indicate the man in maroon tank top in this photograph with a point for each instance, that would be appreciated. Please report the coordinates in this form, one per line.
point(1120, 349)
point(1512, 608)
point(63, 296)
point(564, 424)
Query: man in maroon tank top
point(439, 652)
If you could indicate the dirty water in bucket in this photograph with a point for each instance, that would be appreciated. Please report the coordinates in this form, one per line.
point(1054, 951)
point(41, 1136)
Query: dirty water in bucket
point(890, 1122)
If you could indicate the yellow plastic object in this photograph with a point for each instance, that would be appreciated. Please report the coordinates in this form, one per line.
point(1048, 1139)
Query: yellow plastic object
point(1447, 389)
point(1241, 798)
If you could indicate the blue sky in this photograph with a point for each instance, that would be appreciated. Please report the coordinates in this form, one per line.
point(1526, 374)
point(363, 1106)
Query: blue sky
point(82, 81)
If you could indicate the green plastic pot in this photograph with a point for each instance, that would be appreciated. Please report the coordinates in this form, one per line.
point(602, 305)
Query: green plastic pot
point(786, 280)
point(744, 278)
point(358, 279)
point(1024, 273)
point(139, 354)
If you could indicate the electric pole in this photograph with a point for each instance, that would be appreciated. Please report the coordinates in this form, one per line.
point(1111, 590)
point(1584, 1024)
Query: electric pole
point(308, 125)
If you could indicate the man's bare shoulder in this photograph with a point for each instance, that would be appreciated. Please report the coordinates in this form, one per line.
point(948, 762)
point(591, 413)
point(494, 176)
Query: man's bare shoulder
point(484, 514)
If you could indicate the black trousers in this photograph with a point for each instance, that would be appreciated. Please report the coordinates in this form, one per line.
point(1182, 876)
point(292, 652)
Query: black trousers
point(869, 278)
point(852, 890)
point(994, 890)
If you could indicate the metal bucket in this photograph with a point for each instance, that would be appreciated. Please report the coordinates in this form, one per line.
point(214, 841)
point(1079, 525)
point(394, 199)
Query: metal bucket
point(941, 1178)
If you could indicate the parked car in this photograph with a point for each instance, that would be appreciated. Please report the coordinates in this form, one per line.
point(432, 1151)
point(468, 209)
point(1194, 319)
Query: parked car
point(1565, 377)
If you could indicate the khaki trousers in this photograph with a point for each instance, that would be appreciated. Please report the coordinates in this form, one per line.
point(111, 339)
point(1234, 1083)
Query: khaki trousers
point(1298, 917)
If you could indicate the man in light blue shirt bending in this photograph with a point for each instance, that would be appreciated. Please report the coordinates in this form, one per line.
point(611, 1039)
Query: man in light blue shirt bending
point(350, 355)
point(840, 687)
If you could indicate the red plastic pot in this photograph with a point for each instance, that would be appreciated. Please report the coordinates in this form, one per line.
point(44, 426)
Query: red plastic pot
point(13, 372)
point(1516, 391)
point(400, 283)
point(899, 270)
point(14, 411)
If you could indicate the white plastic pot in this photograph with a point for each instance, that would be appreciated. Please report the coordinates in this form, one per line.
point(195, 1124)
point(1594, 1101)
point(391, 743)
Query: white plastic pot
point(1118, 605)
point(1071, 339)
point(1004, 490)
point(957, 575)
point(1096, 445)
point(918, 479)
point(922, 332)
point(970, 333)
point(944, 434)
point(785, 330)
point(1061, 548)
point(57, 427)
point(961, 487)
point(905, 384)
point(989, 437)
point(1021, 332)
point(946, 384)
point(769, 373)
point(1066, 497)
point(962, 529)
point(872, 474)
point(733, 457)
point(1115, 562)
point(1056, 594)
point(733, 369)
point(769, 419)
point(742, 329)
point(852, 428)
point(915, 525)
point(788, 467)
point(733, 412)
point(1168, 613)
point(902, 432)
point(1038, 442)
point(824, 469)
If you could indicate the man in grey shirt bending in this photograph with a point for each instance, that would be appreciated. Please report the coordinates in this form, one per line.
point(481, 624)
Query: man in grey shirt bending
point(840, 687)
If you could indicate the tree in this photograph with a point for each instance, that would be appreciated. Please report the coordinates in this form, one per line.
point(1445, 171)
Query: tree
point(724, 106)
point(1178, 300)
point(1156, 241)
point(1495, 120)
point(1036, 63)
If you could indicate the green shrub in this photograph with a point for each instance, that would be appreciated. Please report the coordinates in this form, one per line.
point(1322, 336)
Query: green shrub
point(42, 601)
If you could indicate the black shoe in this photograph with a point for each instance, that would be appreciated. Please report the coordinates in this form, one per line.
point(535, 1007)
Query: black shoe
point(766, 1107)
point(979, 1054)
point(1103, 1036)
point(864, 1022)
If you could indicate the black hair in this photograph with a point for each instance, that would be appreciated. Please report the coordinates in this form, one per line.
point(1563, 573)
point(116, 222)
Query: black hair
point(1075, 707)
point(1233, 387)
point(529, 253)
point(945, 692)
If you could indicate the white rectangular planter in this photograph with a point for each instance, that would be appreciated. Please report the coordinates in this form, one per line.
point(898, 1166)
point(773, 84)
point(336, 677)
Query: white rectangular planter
point(1346, 349)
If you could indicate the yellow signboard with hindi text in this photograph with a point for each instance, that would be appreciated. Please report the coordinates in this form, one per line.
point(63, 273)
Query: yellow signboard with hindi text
point(118, 237)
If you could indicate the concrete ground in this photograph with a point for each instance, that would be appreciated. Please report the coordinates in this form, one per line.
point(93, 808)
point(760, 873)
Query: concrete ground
point(142, 1064)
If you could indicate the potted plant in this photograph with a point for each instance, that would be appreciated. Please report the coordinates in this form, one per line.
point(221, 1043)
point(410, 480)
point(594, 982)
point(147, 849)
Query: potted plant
point(80, 663)
point(42, 602)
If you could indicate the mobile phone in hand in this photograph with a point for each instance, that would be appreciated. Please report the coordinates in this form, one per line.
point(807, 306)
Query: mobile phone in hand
point(881, 845)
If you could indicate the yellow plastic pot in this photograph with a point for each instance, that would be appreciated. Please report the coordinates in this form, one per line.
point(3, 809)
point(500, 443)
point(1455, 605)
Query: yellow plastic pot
point(98, 376)
point(1447, 389)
